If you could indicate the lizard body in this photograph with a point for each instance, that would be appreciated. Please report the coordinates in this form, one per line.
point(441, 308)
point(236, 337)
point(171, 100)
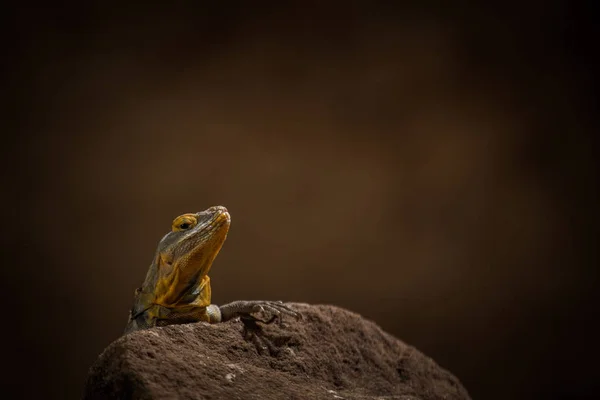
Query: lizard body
point(177, 286)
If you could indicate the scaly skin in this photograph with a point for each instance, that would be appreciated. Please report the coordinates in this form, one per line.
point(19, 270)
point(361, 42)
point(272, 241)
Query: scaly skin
point(177, 287)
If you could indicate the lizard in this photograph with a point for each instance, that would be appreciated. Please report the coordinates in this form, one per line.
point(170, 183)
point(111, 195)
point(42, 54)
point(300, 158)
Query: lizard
point(177, 290)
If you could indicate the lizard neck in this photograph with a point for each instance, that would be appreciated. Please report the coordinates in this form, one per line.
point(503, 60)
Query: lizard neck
point(175, 289)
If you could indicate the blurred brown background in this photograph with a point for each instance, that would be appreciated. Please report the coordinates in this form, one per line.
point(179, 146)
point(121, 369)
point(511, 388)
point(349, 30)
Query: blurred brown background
point(430, 168)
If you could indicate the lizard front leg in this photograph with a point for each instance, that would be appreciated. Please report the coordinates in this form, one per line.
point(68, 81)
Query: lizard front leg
point(273, 310)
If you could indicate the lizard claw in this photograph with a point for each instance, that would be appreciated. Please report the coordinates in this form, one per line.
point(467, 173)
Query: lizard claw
point(272, 310)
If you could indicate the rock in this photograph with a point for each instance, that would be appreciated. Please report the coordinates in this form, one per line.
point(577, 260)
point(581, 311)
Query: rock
point(330, 354)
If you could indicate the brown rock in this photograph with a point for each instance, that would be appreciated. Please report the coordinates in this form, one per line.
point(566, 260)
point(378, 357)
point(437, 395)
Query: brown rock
point(330, 354)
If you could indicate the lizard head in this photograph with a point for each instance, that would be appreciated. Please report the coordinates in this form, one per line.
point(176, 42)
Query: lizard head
point(184, 255)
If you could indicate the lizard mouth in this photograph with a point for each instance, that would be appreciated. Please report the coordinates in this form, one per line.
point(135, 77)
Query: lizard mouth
point(220, 219)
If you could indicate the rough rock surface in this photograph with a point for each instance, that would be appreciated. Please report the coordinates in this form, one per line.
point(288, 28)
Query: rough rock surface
point(330, 354)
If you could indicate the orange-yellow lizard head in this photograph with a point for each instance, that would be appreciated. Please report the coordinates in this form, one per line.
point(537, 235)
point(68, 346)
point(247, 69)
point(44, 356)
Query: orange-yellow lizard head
point(184, 256)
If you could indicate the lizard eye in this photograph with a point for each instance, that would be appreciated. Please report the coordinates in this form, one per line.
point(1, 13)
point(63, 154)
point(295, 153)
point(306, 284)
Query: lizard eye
point(184, 222)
